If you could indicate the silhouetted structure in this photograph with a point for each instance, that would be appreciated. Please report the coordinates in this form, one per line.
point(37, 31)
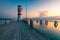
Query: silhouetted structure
point(46, 22)
point(31, 23)
point(40, 22)
point(55, 23)
point(36, 21)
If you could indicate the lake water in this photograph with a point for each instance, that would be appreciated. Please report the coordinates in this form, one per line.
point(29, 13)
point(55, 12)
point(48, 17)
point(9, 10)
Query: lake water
point(50, 30)
point(50, 26)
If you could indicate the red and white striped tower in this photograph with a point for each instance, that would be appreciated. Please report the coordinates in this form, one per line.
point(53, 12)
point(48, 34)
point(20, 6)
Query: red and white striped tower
point(19, 12)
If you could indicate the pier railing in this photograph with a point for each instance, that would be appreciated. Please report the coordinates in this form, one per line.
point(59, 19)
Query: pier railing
point(41, 20)
point(6, 20)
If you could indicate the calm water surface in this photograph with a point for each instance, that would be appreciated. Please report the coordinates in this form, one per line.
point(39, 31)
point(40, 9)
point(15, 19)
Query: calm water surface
point(50, 27)
point(52, 32)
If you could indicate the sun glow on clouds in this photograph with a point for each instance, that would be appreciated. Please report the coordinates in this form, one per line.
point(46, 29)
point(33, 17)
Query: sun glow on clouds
point(55, 11)
point(34, 8)
point(32, 15)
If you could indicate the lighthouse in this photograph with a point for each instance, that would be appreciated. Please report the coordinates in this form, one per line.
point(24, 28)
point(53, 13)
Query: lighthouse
point(19, 12)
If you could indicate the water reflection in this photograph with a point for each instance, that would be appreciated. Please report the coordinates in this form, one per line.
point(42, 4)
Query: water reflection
point(36, 21)
point(40, 22)
point(46, 22)
point(55, 23)
point(49, 27)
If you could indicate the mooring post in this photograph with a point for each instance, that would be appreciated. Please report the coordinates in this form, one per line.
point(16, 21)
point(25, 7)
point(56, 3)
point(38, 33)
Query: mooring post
point(31, 23)
point(5, 22)
point(46, 22)
point(55, 23)
point(36, 21)
point(40, 22)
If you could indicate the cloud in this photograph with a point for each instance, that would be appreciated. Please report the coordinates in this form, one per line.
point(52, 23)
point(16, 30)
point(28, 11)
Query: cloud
point(43, 14)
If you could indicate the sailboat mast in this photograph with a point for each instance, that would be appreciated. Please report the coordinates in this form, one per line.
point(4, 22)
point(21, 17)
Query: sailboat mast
point(26, 10)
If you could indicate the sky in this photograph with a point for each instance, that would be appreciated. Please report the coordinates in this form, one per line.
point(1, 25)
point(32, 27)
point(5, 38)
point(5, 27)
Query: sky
point(8, 8)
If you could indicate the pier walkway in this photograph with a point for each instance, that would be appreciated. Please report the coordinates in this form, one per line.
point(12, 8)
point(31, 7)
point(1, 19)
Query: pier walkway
point(19, 31)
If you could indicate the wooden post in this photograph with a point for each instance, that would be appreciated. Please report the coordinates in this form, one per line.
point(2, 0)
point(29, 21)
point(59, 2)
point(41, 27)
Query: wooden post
point(46, 22)
point(40, 22)
point(5, 22)
point(31, 23)
point(36, 21)
point(55, 23)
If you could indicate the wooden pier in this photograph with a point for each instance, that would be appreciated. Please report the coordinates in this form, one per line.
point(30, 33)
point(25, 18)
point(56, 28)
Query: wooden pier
point(19, 31)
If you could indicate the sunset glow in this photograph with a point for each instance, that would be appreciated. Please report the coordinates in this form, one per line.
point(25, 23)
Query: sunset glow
point(34, 7)
point(55, 11)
